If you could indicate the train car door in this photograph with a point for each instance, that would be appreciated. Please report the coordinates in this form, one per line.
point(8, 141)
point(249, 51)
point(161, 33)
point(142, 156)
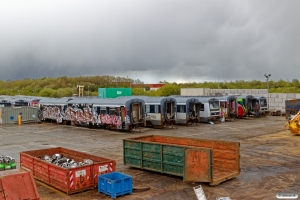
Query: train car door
point(123, 113)
point(198, 108)
point(170, 109)
point(136, 112)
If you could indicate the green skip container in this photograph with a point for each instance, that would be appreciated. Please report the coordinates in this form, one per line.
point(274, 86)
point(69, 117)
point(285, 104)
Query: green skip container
point(196, 160)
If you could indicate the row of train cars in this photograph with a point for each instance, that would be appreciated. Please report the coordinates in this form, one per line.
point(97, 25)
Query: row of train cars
point(132, 112)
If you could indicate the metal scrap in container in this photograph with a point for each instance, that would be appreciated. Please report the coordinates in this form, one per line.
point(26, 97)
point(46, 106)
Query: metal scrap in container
point(65, 162)
point(7, 162)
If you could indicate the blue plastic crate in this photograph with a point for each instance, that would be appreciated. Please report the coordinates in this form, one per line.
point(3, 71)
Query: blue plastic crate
point(115, 184)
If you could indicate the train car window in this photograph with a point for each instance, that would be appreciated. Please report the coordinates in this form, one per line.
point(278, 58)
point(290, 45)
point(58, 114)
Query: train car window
point(21, 103)
point(180, 108)
point(263, 103)
point(214, 105)
point(156, 109)
point(147, 108)
point(113, 111)
point(152, 109)
point(202, 107)
point(223, 104)
point(102, 110)
point(118, 111)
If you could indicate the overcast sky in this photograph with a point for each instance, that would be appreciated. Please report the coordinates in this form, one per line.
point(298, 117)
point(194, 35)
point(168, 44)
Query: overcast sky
point(151, 40)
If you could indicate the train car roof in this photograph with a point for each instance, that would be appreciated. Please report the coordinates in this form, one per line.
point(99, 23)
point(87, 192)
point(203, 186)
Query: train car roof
point(106, 101)
point(204, 99)
point(260, 97)
point(54, 101)
point(185, 99)
point(245, 96)
point(226, 97)
point(158, 99)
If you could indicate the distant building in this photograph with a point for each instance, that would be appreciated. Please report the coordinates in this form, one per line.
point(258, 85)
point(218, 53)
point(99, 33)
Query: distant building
point(113, 92)
point(156, 86)
point(195, 92)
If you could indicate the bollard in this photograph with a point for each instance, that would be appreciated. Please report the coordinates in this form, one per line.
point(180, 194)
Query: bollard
point(20, 119)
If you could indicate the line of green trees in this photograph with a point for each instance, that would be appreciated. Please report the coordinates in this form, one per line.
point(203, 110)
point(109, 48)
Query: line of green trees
point(67, 86)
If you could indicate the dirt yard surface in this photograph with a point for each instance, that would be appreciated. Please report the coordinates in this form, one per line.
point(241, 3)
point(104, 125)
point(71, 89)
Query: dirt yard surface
point(269, 157)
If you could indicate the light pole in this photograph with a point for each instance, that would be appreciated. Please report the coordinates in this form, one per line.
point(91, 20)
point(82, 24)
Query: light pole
point(267, 77)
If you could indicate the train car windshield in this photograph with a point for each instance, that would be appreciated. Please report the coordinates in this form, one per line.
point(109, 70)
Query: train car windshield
point(214, 105)
point(263, 102)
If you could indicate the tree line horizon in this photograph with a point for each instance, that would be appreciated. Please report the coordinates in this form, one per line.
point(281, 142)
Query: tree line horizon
point(67, 86)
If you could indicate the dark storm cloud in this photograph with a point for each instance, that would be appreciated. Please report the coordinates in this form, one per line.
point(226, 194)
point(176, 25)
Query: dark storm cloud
point(182, 41)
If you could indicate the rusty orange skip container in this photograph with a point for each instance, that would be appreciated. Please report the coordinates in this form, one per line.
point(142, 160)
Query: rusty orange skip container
point(17, 184)
point(69, 180)
point(196, 160)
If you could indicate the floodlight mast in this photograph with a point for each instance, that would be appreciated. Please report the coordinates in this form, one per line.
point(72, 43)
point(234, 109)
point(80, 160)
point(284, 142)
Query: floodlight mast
point(267, 77)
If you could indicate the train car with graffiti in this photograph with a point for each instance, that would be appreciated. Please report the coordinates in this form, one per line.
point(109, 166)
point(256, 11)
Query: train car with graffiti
point(116, 113)
point(53, 109)
point(249, 104)
point(79, 111)
point(228, 106)
point(160, 111)
point(210, 109)
point(121, 113)
point(188, 110)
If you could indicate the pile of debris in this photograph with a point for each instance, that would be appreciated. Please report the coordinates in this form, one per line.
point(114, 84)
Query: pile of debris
point(64, 162)
point(7, 162)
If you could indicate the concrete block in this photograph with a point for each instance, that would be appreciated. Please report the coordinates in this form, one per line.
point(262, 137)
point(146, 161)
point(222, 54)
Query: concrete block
point(225, 90)
point(278, 108)
point(254, 91)
point(241, 91)
point(278, 100)
point(264, 95)
point(248, 91)
point(271, 99)
point(298, 96)
point(291, 96)
point(282, 95)
point(261, 91)
point(273, 104)
point(275, 95)
point(281, 105)
point(232, 91)
point(271, 108)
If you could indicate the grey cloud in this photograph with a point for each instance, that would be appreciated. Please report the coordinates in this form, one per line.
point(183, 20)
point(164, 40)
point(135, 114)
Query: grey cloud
point(150, 40)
